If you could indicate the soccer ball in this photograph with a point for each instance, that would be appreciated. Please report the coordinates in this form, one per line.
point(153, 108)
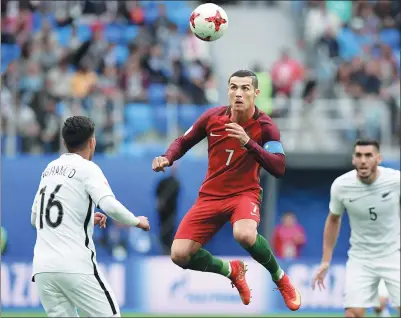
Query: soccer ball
point(208, 22)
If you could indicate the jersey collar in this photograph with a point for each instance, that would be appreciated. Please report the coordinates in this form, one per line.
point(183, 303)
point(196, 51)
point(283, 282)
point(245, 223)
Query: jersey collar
point(255, 116)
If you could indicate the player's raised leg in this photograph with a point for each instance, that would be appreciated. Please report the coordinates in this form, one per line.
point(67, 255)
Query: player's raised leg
point(195, 230)
point(189, 254)
point(245, 220)
point(197, 227)
point(246, 234)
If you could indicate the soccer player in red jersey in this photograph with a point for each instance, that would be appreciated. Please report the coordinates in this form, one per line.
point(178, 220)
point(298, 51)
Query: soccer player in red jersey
point(242, 140)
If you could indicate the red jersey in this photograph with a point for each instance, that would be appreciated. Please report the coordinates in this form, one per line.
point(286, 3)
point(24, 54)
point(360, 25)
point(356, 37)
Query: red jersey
point(232, 168)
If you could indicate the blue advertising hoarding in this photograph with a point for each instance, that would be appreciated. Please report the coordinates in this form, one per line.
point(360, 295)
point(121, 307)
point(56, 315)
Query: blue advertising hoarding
point(156, 285)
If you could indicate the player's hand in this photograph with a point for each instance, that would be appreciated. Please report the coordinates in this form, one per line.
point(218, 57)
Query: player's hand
point(238, 132)
point(143, 223)
point(320, 275)
point(100, 219)
point(159, 163)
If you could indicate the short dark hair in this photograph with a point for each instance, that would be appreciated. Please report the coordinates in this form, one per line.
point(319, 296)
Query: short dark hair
point(246, 73)
point(77, 131)
point(367, 142)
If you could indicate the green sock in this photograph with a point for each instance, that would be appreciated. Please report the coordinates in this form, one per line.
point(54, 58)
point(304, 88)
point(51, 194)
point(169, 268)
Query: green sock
point(263, 254)
point(203, 261)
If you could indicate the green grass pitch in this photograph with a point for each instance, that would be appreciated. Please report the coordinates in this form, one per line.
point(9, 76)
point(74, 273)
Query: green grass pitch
point(134, 315)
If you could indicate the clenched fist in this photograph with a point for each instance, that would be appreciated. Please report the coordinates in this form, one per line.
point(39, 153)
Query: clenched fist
point(159, 163)
point(100, 219)
point(143, 223)
point(236, 131)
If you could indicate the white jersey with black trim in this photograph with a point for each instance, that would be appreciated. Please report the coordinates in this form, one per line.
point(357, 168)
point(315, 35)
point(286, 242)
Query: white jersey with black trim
point(373, 210)
point(62, 213)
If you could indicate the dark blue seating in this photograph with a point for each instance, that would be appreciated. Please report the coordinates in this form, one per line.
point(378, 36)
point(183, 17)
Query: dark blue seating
point(9, 53)
point(139, 120)
point(157, 94)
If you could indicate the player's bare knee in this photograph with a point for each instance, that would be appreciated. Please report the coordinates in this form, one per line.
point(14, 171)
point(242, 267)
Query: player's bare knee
point(354, 312)
point(349, 313)
point(180, 258)
point(245, 236)
point(181, 252)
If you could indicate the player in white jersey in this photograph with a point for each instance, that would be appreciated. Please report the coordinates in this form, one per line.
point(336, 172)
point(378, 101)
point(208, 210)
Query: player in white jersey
point(371, 196)
point(64, 264)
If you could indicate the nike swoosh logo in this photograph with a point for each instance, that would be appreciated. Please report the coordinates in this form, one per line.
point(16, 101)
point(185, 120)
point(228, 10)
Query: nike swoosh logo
point(385, 194)
point(297, 301)
point(214, 135)
point(352, 200)
point(358, 198)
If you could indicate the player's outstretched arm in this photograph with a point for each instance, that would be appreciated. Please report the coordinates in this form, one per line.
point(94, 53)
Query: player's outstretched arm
point(271, 156)
point(182, 144)
point(100, 192)
point(333, 222)
point(120, 213)
point(330, 235)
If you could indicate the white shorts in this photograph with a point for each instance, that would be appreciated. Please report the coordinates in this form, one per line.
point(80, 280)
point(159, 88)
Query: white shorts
point(362, 279)
point(382, 289)
point(62, 294)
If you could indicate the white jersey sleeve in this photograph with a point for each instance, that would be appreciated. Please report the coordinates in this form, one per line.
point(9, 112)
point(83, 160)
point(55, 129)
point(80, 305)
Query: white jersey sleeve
point(336, 205)
point(117, 211)
point(96, 183)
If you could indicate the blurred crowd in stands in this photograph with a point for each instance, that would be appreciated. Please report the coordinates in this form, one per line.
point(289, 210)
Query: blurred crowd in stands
point(94, 57)
point(110, 60)
point(352, 50)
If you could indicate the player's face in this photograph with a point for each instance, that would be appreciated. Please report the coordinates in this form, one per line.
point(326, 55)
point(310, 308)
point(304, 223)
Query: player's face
point(366, 159)
point(242, 93)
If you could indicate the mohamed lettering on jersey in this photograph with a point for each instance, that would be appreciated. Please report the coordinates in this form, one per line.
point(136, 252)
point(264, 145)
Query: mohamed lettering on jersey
point(59, 170)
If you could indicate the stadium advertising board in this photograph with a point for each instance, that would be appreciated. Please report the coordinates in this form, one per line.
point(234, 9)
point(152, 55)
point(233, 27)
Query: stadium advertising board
point(156, 285)
point(179, 291)
point(170, 289)
point(301, 273)
point(19, 292)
